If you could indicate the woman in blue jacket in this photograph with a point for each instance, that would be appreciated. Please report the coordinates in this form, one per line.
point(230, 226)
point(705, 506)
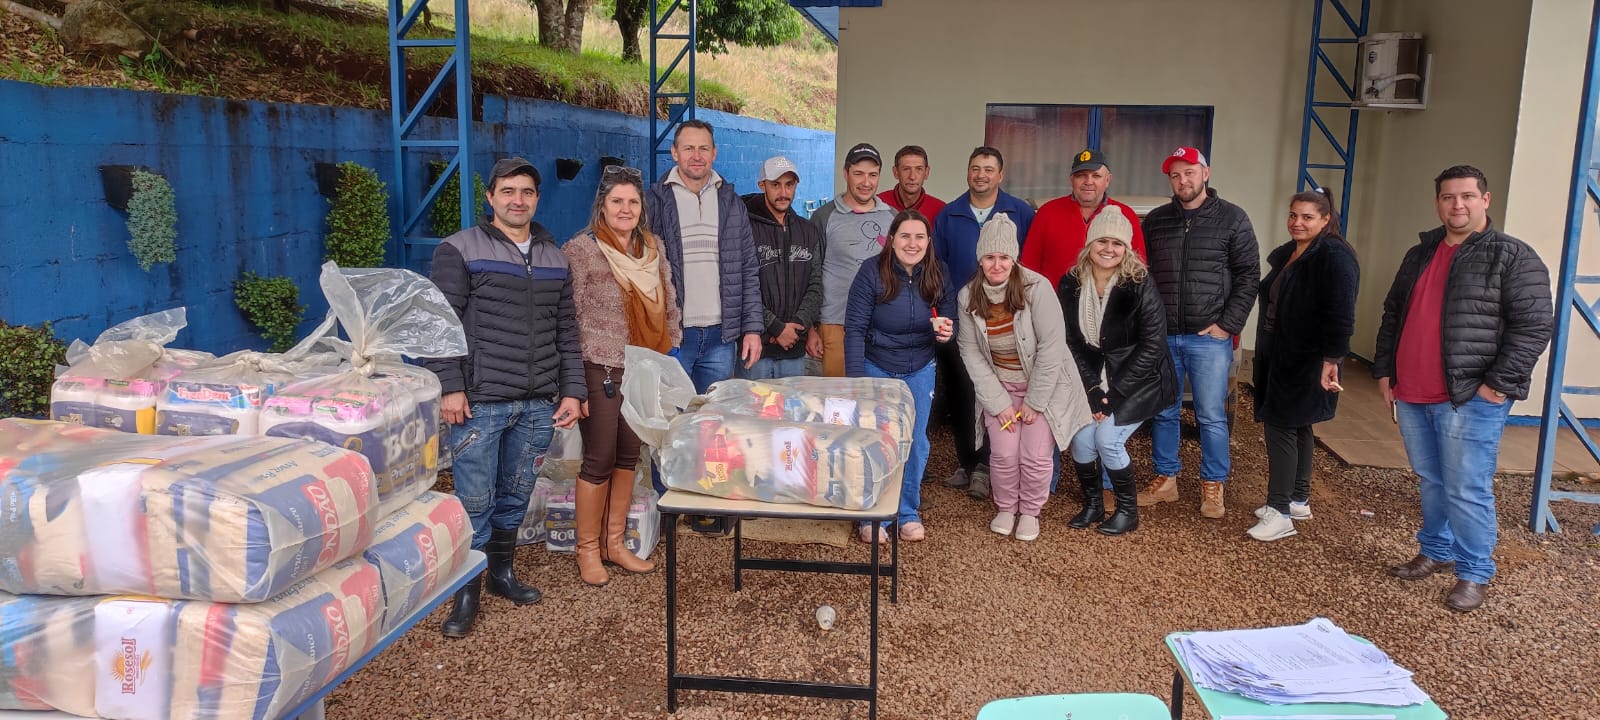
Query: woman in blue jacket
point(899, 307)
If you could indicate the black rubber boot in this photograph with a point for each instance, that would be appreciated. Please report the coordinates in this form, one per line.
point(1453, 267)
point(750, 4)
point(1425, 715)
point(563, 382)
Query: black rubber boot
point(502, 579)
point(1126, 517)
point(1094, 507)
point(464, 609)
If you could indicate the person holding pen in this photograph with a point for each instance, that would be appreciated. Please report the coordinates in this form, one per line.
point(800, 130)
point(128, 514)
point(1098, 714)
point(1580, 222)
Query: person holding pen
point(901, 305)
point(1117, 330)
point(1014, 344)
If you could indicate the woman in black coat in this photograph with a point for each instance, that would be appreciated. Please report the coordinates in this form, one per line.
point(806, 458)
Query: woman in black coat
point(1117, 331)
point(1308, 311)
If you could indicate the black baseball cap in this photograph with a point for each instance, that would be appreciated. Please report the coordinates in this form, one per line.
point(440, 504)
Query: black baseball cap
point(1089, 159)
point(863, 151)
point(506, 167)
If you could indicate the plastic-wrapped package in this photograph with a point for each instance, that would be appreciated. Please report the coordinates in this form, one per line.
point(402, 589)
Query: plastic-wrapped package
point(230, 519)
point(877, 403)
point(560, 518)
point(560, 469)
point(377, 406)
point(746, 458)
point(224, 396)
point(116, 382)
point(417, 549)
point(48, 653)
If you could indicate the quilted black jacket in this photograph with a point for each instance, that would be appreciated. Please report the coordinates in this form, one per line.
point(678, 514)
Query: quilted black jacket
point(1133, 349)
point(1497, 315)
point(1207, 267)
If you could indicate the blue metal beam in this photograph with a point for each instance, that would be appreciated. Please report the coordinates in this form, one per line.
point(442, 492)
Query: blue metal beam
point(680, 105)
point(1350, 31)
point(410, 206)
point(1556, 412)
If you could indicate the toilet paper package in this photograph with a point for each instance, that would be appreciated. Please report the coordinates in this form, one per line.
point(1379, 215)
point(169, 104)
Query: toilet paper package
point(231, 518)
point(116, 382)
point(416, 550)
point(224, 396)
point(47, 653)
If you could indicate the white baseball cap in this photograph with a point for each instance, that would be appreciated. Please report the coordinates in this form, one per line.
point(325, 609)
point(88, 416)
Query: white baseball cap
point(776, 166)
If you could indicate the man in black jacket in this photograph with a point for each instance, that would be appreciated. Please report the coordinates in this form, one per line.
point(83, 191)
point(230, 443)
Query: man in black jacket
point(789, 254)
point(1463, 325)
point(522, 374)
point(1204, 259)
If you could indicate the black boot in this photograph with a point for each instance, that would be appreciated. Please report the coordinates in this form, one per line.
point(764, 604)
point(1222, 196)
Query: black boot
point(464, 610)
point(502, 579)
point(1126, 517)
point(1094, 508)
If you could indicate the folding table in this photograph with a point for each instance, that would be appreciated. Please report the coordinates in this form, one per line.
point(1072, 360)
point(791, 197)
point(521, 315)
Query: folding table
point(678, 502)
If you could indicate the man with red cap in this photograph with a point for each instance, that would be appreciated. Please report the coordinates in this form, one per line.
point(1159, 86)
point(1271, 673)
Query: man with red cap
point(1057, 235)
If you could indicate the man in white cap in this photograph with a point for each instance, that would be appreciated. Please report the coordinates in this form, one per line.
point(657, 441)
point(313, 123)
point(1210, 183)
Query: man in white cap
point(789, 257)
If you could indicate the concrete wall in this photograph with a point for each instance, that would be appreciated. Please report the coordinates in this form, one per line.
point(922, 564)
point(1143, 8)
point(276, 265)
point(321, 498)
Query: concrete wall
point(922, 71)
point(1541, 174)
point(247, 199)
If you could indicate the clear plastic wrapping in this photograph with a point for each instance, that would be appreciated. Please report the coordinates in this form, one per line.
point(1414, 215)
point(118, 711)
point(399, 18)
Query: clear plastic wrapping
point(417, 549)
point(822, 441)
point(116, 382)
point(231, 519)
point(224, 396)
point(377, 405)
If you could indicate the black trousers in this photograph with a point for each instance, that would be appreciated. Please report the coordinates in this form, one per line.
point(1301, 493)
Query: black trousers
point(955, 385)
point(1288, 465)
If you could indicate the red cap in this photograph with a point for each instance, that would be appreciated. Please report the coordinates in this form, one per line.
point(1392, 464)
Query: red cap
point(1185, 154)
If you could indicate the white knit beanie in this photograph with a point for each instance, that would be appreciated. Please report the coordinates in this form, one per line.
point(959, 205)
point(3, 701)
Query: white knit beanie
point(1111, 223)
point(999, 235)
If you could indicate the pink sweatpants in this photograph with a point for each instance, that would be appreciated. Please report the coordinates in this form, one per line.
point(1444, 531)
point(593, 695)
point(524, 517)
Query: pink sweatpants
point(1019, 459)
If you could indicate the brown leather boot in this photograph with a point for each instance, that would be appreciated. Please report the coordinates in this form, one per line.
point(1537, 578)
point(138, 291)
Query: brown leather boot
point(1159, 489)
point(1211, 505)
point(614, 551)
point(591, 512)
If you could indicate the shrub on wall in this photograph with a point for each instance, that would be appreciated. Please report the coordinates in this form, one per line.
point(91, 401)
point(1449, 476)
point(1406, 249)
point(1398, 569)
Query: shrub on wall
point(152, 220)
point(28, 359)
point(272, 305)
point(446, 217)
point(358, 222)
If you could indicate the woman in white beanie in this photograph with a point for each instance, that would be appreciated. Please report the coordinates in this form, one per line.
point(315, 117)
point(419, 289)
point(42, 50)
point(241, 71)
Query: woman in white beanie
point(1030, 398)
point(1116, 327)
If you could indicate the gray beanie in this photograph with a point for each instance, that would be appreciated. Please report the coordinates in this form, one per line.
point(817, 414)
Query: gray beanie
point(999, 235)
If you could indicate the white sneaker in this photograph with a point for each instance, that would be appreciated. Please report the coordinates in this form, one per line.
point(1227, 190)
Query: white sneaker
point(1003, 523)
point(1297, 510)
point(1273, 526)
point(1028, 528)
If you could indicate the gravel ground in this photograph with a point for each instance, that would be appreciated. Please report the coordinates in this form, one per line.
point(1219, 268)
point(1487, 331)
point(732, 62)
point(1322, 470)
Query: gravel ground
point(982, 617)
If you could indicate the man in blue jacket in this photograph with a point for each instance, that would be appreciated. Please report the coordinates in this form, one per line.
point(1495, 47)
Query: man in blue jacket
point(955, 241)
point(705, 231)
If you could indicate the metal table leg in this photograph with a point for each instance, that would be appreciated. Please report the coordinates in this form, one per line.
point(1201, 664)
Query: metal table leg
point(670, 522)
point(894, 561)
point(738, 553)
point(872, 632)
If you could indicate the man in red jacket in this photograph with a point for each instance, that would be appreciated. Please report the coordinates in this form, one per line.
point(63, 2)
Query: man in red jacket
point(911, 170)
point(1059, 229)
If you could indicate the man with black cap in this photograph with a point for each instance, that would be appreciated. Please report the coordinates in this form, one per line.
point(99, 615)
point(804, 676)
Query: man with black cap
point(856, 226)
point(789, 250)
point(1059, 229)
point(522, 376)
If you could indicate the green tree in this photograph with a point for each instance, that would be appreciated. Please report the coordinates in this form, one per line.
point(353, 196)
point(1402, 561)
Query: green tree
point(754, 23)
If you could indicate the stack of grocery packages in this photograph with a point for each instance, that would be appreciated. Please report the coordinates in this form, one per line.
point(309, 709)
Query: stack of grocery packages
point(198, 537)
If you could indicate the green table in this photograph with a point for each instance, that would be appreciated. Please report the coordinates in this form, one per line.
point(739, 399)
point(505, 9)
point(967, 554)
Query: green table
point(1083, 706)
point(1219, 704)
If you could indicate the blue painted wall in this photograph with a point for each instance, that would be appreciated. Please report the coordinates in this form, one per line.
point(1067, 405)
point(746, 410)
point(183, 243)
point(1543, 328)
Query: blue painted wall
point(247, 199)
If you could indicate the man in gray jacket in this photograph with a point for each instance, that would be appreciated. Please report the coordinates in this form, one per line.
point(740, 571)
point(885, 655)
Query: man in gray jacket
point(856, 226)
point(522, 375)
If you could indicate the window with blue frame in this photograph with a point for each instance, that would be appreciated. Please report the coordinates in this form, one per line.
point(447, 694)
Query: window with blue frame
point(1039, 142)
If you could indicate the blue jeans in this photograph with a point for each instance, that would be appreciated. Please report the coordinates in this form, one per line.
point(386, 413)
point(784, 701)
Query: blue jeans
point(1204, 361)
point(772, 369)
point(705, 356)
point(1105, 440)
point(1453, 451)
point(921, 383)
point(498, 453)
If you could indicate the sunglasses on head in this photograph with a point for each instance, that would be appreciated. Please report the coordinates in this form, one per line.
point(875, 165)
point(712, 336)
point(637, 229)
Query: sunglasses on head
point(612, 171)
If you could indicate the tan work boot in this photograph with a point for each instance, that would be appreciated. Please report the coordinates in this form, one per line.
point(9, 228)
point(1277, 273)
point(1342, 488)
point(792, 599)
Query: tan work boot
point(1159, 489)
point(1211, 500)
point(614, 551)
point(591, 512)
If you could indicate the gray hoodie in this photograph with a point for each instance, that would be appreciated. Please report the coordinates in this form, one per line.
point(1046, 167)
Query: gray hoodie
point(853, 238)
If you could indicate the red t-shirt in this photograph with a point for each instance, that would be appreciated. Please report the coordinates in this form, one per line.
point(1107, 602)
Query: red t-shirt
point(1419, 360)
point(928, 205)
point(1059, 233)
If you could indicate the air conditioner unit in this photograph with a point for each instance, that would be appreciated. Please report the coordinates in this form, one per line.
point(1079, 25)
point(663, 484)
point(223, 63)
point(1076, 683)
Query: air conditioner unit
point(1392, 72)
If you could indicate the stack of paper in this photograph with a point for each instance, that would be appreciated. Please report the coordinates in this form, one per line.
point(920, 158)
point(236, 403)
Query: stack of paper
point(1317, 662)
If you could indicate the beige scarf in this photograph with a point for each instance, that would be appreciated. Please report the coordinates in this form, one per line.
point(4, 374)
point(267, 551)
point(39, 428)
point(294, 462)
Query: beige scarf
point(643, 302)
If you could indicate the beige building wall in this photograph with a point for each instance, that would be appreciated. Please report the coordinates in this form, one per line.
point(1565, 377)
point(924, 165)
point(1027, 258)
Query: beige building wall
point(1541, 172)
